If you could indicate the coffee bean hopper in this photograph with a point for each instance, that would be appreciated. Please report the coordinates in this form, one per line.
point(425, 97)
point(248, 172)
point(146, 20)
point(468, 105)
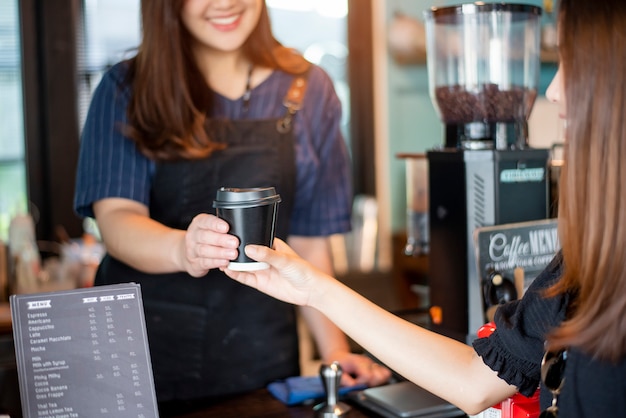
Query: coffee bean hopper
point(483, 67)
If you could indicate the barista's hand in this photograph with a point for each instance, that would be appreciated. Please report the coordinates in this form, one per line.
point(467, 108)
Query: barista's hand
point(207, 245)
point(360, 369)
point(289, 278)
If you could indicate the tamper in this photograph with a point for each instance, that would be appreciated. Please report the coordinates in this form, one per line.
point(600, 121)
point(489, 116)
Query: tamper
point(331, 376)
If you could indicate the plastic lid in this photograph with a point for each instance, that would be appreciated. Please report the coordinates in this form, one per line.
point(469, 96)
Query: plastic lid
point(232, 197)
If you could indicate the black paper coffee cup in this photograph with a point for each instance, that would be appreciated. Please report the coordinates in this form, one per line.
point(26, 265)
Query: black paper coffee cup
point(251, 214)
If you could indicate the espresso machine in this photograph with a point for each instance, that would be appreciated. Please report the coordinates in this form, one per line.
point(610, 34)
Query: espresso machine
point(483, 68)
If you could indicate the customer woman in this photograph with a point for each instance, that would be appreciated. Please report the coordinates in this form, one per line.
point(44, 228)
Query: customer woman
point(211, 99)
point(574, 313)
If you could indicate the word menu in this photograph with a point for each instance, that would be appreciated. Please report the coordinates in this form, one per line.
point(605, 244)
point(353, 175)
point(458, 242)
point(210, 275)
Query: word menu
point(83, 353)
point(528, 245)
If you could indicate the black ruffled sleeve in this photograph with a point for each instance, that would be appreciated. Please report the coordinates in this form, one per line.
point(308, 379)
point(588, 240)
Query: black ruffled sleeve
point(516, 347)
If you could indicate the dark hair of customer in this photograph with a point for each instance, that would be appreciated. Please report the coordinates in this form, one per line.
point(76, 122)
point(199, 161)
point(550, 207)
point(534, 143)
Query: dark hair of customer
point(592, 197)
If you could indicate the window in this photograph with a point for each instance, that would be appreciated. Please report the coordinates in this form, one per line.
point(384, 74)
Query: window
point(326, 46)
point(12, 165)
point(111, 33)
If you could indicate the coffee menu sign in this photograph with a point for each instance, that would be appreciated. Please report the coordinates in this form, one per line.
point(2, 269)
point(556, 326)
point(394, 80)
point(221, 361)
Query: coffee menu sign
point(527, 245)
point(83, 353)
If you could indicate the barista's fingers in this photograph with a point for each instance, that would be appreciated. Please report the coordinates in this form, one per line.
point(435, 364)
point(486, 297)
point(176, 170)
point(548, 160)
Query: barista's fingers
point(205, 247)
point(359, 369)
point(209, 229)
point(209, 252)
point(207, 234)
point(211, 244)
point(378, 375)
point(212, 222)
point(199, 259)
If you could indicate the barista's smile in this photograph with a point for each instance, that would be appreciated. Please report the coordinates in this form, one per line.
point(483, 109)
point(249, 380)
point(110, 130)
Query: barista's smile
point(226, 23)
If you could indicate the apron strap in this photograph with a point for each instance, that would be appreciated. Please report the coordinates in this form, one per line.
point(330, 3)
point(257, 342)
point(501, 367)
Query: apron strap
point(293, 102)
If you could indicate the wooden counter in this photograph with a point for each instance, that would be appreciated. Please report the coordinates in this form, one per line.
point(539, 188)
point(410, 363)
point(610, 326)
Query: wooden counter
point(259, 404)
point(5, 318)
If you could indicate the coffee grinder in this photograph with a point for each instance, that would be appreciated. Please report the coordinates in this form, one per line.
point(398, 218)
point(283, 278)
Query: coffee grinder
point(483, 68)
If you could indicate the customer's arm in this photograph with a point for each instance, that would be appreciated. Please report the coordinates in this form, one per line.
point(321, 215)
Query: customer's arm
point(443, 366)
point(331, 342)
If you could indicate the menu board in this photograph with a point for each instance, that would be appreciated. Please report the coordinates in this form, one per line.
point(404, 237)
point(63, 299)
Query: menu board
point(83, 353)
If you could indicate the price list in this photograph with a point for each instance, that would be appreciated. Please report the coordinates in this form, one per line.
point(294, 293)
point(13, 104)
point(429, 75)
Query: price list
point(83, 353)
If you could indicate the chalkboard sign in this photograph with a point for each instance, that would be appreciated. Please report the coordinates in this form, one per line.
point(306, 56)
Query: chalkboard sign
point(527, 247)
point(83, 353)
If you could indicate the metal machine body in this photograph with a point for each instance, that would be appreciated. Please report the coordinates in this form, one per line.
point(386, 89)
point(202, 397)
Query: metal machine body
point(470, 189)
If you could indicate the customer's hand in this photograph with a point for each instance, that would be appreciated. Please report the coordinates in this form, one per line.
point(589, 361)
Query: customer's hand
point(292, 279)
point(208, 245)
point(289, 278)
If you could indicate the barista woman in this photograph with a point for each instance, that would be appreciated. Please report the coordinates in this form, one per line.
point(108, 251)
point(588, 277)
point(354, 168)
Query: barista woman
point(574, 313)
point(212, 99)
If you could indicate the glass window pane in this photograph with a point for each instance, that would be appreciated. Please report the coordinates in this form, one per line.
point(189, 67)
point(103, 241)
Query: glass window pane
point(13, 194)
point(326, 46)
point(111, 33)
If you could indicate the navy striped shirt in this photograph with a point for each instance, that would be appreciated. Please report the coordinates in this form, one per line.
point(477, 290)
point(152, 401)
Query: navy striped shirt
point(110, 165)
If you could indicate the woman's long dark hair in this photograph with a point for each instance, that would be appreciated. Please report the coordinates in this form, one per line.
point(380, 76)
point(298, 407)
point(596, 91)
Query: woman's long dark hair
point(592, 196)
point(170, 98)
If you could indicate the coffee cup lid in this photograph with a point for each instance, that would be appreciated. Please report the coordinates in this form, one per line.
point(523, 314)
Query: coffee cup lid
point(233, 197)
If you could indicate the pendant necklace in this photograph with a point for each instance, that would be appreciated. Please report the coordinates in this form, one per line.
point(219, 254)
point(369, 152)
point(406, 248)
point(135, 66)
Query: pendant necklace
point(246, 94)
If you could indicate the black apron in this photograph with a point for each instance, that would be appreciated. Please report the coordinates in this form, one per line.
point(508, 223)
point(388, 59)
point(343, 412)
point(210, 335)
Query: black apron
point(212, 336)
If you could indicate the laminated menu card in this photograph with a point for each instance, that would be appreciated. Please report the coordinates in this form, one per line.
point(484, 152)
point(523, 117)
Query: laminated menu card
point(83, 353)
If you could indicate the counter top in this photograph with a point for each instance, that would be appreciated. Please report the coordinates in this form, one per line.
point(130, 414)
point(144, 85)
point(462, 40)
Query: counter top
point(261, 404)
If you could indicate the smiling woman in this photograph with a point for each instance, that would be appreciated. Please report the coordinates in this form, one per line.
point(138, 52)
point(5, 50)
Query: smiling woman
point(201, 106)
point(328, 46)
point(335, 39)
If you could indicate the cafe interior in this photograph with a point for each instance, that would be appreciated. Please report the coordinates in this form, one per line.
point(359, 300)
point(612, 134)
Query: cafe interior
point(429, 172)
